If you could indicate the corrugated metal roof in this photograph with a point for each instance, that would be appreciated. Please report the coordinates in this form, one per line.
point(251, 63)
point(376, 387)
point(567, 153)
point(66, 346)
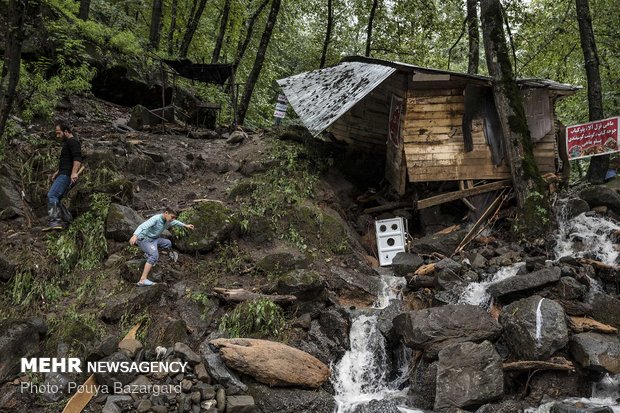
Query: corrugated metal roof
point(320, 97)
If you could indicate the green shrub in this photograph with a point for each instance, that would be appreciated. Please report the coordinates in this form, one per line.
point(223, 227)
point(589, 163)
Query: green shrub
point(260, 318)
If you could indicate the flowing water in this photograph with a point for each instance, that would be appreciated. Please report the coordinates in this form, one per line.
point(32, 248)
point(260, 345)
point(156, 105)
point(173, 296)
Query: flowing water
point(539, 323)
point(476, 293)
point(362, 374)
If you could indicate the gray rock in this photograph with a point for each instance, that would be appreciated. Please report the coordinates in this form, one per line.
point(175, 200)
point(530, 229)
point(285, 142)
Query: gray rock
point(604, 308)
point(283, 400)
point(207, 392)
point(304, 284)
point(221, 374)
point(508, 406)
point(449, 275)
point(121, 222)
point(444, 244)
point(524, 282)
point(141, 116)
point(159, 409)
point(213, 221)
point(203, 134)
point(405, 263)
point(110, 378)
point(10, 200)
point(535, 263)
point(239, 404)
point(378, 406)
point(423, 379)
point(131, 270)
point(58, 381)
point(18, 338)
point(7, 269)
point(478, 261)
point(143, 406)
point(570, 289)
point(575, 207)
point(187, 354)
point(220, 396)
point(185, 403)
point(236, 137)
point(596, 351)
point(201, 373)
point(116, 404)
point(601, 196)
point(134, 301)
point(468, 374)
point(520, 330)
point(571, 408)
point(357, 279)
point(433, 329)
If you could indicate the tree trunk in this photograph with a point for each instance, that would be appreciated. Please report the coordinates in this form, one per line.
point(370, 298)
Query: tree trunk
point(192, 26)
point(532, 216)
point(473, 36)
point(84, 9)
point(258, 62)
point(155, 34)
point(220, 36)
point(12, 58)
point(173, 26)
point(243, 44)
point(598, 164)
point(328, 32)
point(371, 18)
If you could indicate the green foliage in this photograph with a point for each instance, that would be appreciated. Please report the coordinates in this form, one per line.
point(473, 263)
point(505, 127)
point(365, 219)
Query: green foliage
point(28, 287)
point(260, 318)
point(129, 320)
point(83, 244)
point(228, 259)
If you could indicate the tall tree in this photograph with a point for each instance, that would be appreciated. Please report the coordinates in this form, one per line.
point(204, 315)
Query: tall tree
point(199, 7)
point(155, 33)
point(473, 36)
point(598, 164)
point(371, 19)
point(243, 44)
point(173, 26)
point(15, 33)
point(528, 185)
point(328, 32)
point(258, 62)
point(220, 37)
point(84, 9)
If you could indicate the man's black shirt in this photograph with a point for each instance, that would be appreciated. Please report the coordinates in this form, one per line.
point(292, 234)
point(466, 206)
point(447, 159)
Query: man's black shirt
point(71, 151)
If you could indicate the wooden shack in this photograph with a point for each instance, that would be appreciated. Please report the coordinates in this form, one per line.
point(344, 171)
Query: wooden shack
point(431, 125)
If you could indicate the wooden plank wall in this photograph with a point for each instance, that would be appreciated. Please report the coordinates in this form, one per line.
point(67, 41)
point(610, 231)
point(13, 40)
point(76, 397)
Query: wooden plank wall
point(365, 126)
point(434, 147)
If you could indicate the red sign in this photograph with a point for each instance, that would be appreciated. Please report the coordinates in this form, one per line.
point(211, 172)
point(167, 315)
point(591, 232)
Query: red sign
point(593, 138)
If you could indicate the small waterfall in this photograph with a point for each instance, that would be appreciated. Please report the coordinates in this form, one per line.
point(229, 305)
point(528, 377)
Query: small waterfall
point(539, 322)
point(362, 373)
point(587, 237)
point(476, 293)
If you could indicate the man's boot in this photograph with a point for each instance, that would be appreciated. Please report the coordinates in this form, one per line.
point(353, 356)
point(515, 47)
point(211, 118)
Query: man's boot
point(53, 212)
point(65, 214)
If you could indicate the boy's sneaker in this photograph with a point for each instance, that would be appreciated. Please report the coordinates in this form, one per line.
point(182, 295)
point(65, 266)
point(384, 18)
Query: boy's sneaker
point(173, 255)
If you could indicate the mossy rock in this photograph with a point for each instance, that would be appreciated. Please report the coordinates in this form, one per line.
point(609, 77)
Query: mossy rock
point(280, 263)
point(242, 189)
point(168, 333)
point(318, 229)
point(121, 222)
point(213, 222)
point(303, 284)
point(260, 230)
point(78, 336)
point(120, 190)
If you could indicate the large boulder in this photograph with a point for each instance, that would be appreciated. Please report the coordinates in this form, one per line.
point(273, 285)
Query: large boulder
point(601, 196)
point(433, 329)
point(405, 263)
point(444, 244)
point(328, 336)
point(222, 375)
point(282, 400)
point(575, 207)
point(423, 384)
point(132, 301)
point(121, 222)
point(272, 363)
point(10, 201)
point(378, 406)
point(596, 351)
point(109, 378)
point(531, 337)
point(18, 338)
point(214, 223)
point(604, 308)
point(468, 374)
point(524, 282)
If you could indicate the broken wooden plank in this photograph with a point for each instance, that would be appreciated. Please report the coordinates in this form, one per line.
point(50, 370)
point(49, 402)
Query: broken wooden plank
point(558, 363)
point(239, 295)
point(387, 207)
point(453, 196)
point(581, 324)
point(598, 264)
point(425, 270)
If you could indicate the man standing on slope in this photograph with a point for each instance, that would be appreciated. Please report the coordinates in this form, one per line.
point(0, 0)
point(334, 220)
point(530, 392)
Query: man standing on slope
point(64, 178)
point(147, 236)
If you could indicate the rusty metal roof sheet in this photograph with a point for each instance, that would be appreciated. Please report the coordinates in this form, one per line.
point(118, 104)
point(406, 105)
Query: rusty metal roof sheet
point(320, 97)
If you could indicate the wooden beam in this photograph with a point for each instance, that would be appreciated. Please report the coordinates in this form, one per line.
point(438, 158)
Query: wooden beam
point(453, 196)
point(239, 295)
point(581, 324)
point(560, 364)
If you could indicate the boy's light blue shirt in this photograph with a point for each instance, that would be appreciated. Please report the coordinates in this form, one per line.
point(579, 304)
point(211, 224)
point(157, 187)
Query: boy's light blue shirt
point(154, 226)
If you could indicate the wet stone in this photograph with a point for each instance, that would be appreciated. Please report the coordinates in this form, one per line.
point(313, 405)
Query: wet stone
point(143, 406)
point(186, 385)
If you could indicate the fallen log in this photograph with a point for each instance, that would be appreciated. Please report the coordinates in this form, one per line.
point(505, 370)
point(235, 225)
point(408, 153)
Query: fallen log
point(425, 270)
point(558, 363)
point(598, 264)
point(239, 295)
point(421, 281)
point(581, 324)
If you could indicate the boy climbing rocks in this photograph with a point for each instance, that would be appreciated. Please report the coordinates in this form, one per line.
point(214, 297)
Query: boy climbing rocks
point(147, 236)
